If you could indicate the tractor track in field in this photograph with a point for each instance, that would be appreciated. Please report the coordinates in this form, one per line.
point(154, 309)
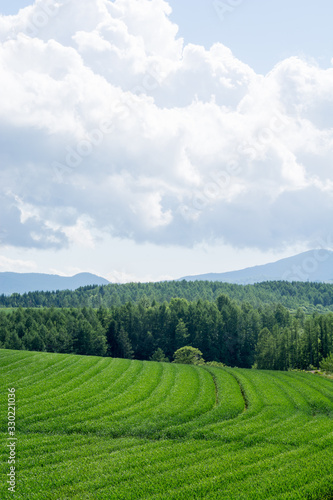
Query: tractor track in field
point(243, 393)
point(168, 433)
point(216, 388)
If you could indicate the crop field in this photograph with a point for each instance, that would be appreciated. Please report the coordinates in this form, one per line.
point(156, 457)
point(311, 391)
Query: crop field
point(105, 428)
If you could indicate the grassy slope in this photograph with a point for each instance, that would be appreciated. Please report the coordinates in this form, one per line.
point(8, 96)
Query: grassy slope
point(101, 428)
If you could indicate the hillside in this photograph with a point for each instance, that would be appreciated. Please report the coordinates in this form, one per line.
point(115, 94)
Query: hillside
point(310, 296)
point(31, 282)
point(269, 336)
point(105, 428)
point(314, 266)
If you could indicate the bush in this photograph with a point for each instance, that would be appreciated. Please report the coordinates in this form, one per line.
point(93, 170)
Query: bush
point(327, 364)
point(188, 355)
point(217, 364)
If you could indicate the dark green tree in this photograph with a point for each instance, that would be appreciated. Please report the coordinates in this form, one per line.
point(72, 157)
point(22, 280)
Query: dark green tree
point(265, 350)
point(181, 334)
point(159, 356)
point(124, 347)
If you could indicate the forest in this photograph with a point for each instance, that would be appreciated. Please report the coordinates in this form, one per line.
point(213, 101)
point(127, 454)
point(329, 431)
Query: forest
point(267, 336)
point(310, 296)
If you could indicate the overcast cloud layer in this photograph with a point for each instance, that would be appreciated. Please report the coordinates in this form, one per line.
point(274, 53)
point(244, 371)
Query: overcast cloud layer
point(108, 123)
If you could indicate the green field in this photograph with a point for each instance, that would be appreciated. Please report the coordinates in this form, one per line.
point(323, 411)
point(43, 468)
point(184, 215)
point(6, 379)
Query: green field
point(104, 428)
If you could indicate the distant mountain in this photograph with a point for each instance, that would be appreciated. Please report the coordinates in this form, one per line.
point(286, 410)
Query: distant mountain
point(32, 282)
point(314, 265)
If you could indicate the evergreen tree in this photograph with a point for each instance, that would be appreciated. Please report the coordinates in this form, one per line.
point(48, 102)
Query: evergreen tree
point(265, 350)
point(12, 341)
point(181, 334)
point(159, 356)
point(124, 347)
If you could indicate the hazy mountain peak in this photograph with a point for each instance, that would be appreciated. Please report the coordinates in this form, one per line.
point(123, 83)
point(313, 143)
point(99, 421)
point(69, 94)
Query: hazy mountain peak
point(313, 265)
point(31, 282)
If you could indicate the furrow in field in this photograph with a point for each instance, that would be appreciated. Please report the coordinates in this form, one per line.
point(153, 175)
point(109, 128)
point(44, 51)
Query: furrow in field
point(290, 387)
point(140, 417)
point(158, 421)
point(280, 448)
point(114, 418)
point(84, 375)
point(251, 427)
point(284, 476)
point(319, 392)
point(85, 393)
point(31, 388)
point(187, 398)
point(253, 400)
point(190, 476)
point(18, 367)
point(170, 466)
point(230, 404)
point(318, 489)
point(238, 480)
point(9, 358)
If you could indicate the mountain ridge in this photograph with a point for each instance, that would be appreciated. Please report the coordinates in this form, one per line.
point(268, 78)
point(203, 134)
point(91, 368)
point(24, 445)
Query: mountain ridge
point(313, 265)
point(11, 282)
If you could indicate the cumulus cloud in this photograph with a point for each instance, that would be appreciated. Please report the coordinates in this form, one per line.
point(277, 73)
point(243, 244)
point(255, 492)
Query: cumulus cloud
point(111, 124)
point(16, 265)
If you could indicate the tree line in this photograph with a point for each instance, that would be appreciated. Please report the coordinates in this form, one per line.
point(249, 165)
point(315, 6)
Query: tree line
point(268, 336)
point(311, 296)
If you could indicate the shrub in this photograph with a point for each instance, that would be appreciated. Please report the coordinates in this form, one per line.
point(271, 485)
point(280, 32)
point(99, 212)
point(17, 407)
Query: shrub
point(188, 355)
point(327, 364)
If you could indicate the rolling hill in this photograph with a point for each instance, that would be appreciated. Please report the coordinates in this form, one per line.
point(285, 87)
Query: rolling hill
point(105, 428)
point(31, 282)
point(314, 266)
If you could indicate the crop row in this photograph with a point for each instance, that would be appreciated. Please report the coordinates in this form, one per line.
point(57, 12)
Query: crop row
point(117, 429)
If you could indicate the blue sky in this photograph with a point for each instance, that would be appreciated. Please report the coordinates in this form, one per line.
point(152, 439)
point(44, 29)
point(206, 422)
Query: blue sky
point(260, 33)
point(222, 160)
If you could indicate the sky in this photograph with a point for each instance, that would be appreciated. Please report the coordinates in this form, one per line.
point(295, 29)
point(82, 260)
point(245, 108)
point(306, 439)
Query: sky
point(149, 139)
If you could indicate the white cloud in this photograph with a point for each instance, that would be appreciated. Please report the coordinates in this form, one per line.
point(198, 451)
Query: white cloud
point(110, 124)
point(80, 233)
point(123, 277)
point(16, 265)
